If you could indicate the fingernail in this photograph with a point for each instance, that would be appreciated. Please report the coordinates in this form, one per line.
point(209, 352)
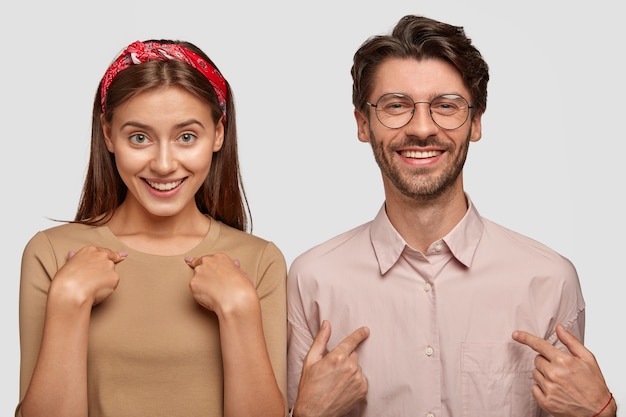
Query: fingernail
point(123, 253)
point(188, 259)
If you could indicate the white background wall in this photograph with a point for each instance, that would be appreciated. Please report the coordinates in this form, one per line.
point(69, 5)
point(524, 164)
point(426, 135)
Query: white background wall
point(549, 164)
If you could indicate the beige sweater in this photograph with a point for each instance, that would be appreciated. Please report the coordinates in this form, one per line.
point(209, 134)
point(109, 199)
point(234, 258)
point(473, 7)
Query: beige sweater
point(153, 350)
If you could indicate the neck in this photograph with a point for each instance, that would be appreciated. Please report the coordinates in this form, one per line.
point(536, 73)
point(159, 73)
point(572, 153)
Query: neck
point(159, 235)
point(422, 222)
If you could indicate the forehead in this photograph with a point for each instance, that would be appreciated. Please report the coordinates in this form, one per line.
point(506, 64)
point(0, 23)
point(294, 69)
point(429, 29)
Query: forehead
point(422, 80)
point(167, 104)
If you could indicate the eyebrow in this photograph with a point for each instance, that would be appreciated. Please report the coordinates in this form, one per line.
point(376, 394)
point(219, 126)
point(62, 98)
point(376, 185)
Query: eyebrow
point(180, 125)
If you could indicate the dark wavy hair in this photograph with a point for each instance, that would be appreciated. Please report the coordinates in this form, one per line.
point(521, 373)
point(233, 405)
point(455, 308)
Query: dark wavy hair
point(221, 196)
point(420, 38)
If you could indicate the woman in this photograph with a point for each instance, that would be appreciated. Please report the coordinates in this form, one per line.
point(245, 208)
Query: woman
point(155, 301)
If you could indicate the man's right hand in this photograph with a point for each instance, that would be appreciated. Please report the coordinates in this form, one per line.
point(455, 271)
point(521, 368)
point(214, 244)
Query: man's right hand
point(331, 383)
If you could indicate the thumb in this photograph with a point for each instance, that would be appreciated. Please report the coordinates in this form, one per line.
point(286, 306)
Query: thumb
point(569, 340)
point(119, 256)
point(318, 348)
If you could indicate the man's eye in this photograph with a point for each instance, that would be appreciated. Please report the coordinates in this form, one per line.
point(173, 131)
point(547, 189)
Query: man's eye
point(397, 107)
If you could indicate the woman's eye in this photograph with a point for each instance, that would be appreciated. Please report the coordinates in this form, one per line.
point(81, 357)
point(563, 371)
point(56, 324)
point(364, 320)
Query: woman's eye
point(138, 138)
point(187, 138)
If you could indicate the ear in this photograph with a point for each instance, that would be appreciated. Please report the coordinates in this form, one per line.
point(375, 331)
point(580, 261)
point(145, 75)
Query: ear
point(362, 125)
point(219, 135)
point(477, 128)
point(106, 129)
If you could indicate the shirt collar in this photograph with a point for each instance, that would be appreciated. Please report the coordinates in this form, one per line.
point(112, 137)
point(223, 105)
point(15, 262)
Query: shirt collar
point(462, 240)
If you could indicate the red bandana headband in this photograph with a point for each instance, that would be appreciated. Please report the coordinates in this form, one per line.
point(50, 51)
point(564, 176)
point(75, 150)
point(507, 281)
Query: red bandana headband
point(139, 52)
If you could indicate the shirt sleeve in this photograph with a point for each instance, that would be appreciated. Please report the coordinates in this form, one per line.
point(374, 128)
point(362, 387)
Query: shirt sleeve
point(572, 311)
point(299, 335)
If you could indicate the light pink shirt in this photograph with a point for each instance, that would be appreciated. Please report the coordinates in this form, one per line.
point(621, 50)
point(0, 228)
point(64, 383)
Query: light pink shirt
point(441, 322)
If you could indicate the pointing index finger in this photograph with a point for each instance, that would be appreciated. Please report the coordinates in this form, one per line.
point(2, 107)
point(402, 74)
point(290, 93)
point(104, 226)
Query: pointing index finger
point(355, 338)
point(539, 345)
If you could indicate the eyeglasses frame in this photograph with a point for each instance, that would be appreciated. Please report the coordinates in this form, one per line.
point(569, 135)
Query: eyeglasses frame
point(375, 106)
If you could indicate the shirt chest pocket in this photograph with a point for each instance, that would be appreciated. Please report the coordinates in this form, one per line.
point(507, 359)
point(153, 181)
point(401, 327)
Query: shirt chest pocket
point(496, 379)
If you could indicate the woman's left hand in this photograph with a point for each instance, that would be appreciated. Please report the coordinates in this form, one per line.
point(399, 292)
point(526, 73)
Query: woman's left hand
point(219, 285)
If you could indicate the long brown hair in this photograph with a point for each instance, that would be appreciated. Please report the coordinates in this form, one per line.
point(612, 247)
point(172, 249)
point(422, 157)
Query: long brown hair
point(221, 196)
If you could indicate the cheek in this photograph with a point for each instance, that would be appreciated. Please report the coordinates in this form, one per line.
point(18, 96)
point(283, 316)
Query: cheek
point(384, 137)
point(460, 136)
point(128, 164)
point(199, 161)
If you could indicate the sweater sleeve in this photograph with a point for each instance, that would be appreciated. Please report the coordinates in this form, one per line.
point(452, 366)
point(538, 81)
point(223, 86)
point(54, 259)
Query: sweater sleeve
point(271, 287)
point(39, 265)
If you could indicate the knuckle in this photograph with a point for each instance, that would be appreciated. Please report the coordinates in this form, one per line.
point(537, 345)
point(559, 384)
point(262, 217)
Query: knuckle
point(565, 361)
point(337, 357)
point(556, 374)
point(351, 368)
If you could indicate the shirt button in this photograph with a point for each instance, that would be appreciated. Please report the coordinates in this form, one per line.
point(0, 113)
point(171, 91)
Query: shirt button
point(427, 287)
point(430, 415)
point(438, 247)
point(429, 351)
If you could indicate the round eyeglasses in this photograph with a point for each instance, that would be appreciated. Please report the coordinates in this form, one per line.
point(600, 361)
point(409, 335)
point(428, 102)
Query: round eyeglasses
point(448, 111)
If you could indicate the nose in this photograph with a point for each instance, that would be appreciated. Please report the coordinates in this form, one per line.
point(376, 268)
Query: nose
point(422, 123)
point(165, 159)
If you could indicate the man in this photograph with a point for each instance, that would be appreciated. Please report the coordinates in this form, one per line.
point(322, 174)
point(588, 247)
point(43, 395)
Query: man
point(423, 299)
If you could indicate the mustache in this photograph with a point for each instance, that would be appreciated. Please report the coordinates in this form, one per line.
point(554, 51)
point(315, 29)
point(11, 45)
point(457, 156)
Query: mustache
point(412, 141)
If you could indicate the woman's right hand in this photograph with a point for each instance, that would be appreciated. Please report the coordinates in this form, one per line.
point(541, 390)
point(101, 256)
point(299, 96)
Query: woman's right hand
point(88, 276)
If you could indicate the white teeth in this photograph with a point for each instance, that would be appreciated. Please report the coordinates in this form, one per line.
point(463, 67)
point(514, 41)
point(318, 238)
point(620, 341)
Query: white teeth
point(164, 186)
point(418, 154)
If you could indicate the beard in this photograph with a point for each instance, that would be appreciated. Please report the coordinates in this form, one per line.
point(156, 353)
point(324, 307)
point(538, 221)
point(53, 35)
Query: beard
point(420, 183)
